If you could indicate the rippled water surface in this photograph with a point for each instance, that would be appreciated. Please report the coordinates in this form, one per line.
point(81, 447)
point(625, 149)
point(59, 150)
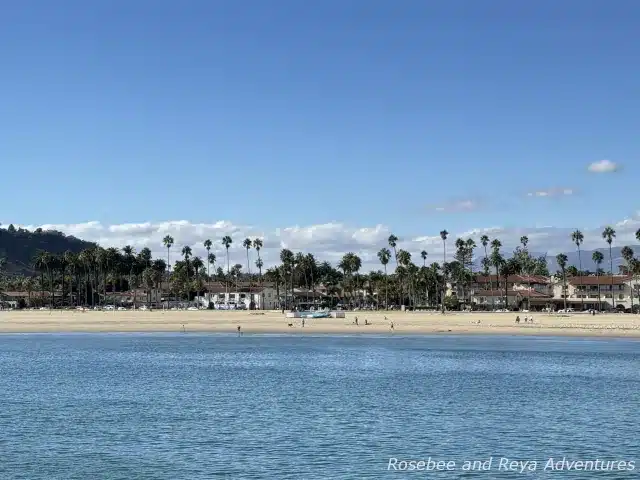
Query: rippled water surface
point(302, 407)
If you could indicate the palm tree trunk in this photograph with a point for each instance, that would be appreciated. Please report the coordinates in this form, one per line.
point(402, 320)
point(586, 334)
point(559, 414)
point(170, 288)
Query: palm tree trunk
point(62, 272)
point(497, 285)
point(581, 287)
point(42, 287)
point(613, 296)
point(506, 292)
point(599, 297)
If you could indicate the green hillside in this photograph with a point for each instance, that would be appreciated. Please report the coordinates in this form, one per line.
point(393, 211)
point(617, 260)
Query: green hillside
point(18, 246)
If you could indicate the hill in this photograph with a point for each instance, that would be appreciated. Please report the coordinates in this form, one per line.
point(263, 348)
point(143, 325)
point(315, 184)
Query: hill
point(18, 246)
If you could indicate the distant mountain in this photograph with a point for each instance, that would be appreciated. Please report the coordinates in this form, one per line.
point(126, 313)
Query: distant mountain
point(587, 262)
point(18, 246)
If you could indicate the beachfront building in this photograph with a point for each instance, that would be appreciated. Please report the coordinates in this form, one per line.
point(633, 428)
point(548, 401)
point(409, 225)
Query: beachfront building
point(136, 296)
point(248, 296)
point(596, 292)
point(20, 299)
point(305, 299)
point(487, 292)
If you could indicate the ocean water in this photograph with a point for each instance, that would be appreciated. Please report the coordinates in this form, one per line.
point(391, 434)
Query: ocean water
point(138, 406)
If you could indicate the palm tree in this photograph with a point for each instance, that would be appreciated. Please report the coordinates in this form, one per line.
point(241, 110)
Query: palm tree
point(41, 263)
point(247, 245)
point(609, 234)
point(561, 258)
point(597, 258)
point(186, 253)
point(443, 236)
point(227, 241)
point(211, 260)
point(524, 241)
point(469, 247)
point(287, 259)
point(198, 266)
point(577, 237)
point(207, 246)
point(259, 265)
point(627, 254)
point(168, 243)
point(70, 261)
point(393, 242)
point(350, 265)
point(423, 255)
point(484, 240)
point(633, 290)
point(257, 244)
point(496, 261)
point(384, 255)
point(404, 259)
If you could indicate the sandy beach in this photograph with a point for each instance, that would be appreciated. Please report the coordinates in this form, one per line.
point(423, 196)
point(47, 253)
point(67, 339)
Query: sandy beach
point(275, 322)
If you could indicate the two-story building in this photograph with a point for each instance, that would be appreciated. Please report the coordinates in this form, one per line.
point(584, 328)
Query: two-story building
point(249, 296)
point(599, 292)
point(490, 292)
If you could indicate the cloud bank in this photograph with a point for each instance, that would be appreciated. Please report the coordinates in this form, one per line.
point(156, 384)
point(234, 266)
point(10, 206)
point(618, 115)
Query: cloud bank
point(327, 241)
point(552, 192)
point(603, 166)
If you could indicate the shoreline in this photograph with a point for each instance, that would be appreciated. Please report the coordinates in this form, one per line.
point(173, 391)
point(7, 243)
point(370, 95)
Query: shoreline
point(270, 322)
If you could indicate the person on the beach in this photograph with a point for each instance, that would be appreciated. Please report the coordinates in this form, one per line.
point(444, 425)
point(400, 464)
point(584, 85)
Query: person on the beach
point(517, 318)
point(184, 330)
point(356, 321)
point(303, 322)
point(391, 325)
point(239, 332)
point(366, 322)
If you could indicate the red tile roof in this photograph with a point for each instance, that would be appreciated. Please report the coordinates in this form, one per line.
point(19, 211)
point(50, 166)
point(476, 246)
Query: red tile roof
point(601, 279)
point(524, 279)
point(510, 293)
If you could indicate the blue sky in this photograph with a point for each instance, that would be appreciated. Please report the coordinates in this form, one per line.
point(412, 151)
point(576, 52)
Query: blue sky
point(288, 113)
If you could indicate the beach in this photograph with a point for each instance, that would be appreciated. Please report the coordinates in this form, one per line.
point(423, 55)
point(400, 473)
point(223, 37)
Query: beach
point(59, 321)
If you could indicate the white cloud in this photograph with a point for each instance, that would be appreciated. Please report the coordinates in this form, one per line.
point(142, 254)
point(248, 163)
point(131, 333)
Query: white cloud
point(456, 206)
point(552, 192)
point(327, 241)
point(603, 166)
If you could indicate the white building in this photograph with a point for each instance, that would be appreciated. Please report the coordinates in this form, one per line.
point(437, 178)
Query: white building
point(597, 292)
point(250, 297)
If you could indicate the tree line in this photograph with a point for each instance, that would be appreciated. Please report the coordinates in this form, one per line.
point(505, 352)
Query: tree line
point(86, 277)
